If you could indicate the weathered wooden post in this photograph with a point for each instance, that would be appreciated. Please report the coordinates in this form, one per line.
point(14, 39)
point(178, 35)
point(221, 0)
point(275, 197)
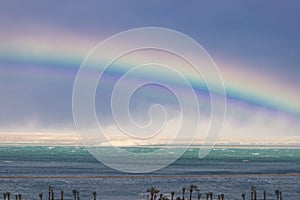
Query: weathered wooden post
point(4, 195)
point(19, 196)
point(16, 197)
point(78, 198)
point(49, 192)
point(74, 194)
point(95, 195)
point(280, 195)
point(277, 194)
point(219, 197)
point(207, 195)
point(211, 195)
point(222, 196)
point(52, 194)
point(255, 194)
point(61, 195)
point(265, 195)
point(41, 196)
point(252, 192)
point(8, 195)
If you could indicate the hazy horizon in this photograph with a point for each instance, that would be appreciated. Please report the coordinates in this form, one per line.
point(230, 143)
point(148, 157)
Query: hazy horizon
point(74, 140)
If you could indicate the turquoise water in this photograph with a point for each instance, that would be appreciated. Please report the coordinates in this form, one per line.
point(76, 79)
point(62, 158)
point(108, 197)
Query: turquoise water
point(225, 170)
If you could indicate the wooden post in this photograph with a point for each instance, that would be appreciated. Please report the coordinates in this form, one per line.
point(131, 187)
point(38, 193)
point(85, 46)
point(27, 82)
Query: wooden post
point(41, 196)
point(219, 197)
point(16, 197)
point(280, 195)
point(20, 196)
point(49, 192)
point(8, 195)
point(52, 194)
point(211, 195)
point(78, 198)
point(94, 194)
point(61, 195)
point(265, 195)
point(277, 194)
point(74, 194)
point(222, 196)
point(255, 195)
point(207, 196)
point(252, 192)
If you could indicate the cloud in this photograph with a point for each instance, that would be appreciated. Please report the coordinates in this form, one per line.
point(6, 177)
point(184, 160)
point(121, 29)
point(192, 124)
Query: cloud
point(244, 121)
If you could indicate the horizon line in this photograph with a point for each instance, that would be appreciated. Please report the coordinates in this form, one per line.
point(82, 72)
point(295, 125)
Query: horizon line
point(220, 145)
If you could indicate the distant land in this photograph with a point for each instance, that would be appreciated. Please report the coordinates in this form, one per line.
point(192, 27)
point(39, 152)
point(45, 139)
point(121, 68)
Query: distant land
point(74, 140)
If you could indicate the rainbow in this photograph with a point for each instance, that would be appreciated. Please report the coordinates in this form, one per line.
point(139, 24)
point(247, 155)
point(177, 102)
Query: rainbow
point(56, 59)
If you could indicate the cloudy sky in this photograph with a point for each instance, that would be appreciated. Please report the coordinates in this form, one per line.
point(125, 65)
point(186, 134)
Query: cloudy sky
point(255, 45)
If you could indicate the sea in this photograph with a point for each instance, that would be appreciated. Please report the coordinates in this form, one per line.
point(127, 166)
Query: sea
point(30, 170)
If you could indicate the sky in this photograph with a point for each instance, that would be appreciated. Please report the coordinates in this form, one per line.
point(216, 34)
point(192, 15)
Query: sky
point(255, 45)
